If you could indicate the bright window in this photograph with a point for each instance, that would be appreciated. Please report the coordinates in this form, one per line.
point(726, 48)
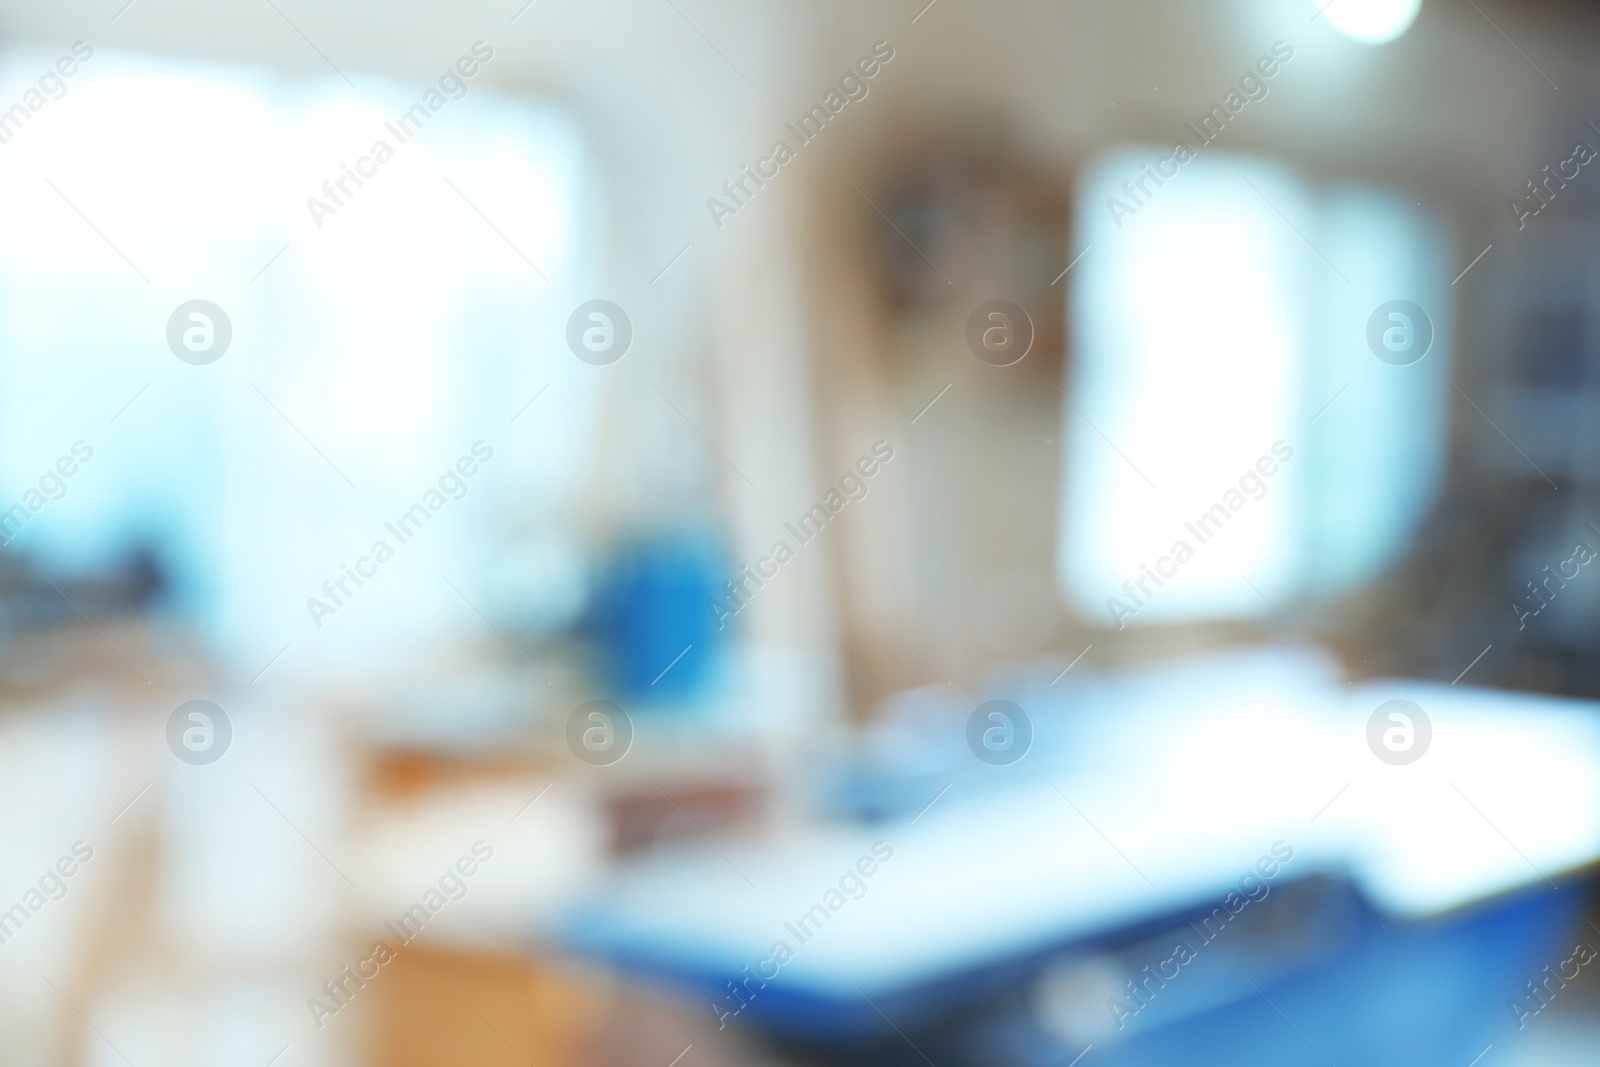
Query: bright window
point(1229, 425)
point(371, 347)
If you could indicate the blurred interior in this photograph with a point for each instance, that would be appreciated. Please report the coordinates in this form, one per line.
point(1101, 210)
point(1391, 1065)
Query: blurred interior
point(580, 745)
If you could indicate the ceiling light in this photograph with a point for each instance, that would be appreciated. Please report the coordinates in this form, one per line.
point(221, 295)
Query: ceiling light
point(1370, 21)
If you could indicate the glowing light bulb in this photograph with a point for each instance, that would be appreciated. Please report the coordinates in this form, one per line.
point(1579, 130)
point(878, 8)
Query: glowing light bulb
point(1370, 21)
